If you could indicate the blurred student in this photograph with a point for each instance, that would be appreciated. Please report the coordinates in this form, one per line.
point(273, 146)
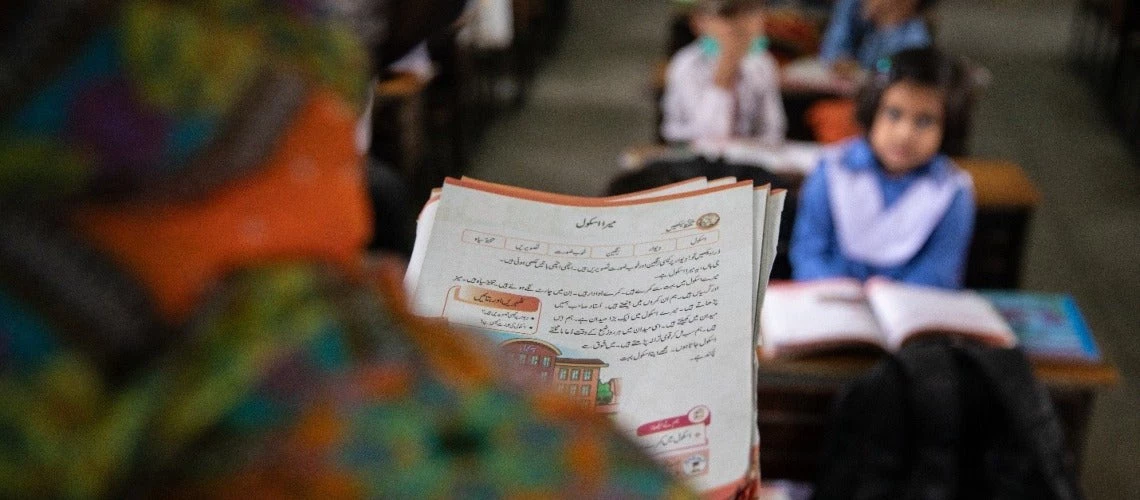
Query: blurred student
point(891, 203)
point(378, 134)
point(185, 309)
point(725, 84)
point(861, 32)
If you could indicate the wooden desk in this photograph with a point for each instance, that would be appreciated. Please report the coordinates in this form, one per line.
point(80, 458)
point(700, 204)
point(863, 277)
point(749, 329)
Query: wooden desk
point(795, 398)
point(796, 97)
point(398, 122)
point(1006, 200)
point(637, 157)
point(998, 184)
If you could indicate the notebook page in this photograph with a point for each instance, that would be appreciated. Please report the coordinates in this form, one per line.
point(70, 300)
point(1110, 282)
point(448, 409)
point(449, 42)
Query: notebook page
point(905, 310)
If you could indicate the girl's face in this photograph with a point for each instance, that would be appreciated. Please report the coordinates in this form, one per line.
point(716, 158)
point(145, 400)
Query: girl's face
point(737, 29)
point(907, 130)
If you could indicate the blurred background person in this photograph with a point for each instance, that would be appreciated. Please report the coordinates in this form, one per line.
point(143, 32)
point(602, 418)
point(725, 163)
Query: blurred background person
point(725, 84)
point(891, 203)
point(861, 32)
point(185, 305)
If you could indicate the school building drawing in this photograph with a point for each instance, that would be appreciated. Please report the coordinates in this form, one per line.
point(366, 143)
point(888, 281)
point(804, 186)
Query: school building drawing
point(535, 361)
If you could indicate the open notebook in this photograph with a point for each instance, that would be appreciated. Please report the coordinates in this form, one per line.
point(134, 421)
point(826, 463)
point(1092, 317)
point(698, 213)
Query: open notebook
point(641, 306)
point(805, 317)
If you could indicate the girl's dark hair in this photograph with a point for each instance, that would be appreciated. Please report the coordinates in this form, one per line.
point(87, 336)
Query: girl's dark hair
point(927, 68)
point(728, 8)
point(923, 5)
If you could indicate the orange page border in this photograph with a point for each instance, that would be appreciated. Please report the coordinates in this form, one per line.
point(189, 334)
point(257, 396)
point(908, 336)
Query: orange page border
point(578, 201)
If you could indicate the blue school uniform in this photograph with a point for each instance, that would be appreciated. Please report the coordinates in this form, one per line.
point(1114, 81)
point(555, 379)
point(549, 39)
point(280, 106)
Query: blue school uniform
point(854, 220)
point(850, 35)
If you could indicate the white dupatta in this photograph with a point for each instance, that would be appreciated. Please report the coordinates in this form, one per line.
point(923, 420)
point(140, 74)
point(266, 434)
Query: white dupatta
point(870, 232)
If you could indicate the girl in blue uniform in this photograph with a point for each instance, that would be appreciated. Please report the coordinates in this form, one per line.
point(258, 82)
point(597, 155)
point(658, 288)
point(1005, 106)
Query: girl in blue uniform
point(863, 31)
point(891, 203)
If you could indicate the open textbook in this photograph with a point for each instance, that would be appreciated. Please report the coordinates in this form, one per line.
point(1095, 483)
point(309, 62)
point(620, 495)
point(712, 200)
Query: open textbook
point(641, 306)
point(806, 317)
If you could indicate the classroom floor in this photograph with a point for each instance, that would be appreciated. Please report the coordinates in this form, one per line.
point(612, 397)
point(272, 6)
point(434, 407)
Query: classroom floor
point(592, 100)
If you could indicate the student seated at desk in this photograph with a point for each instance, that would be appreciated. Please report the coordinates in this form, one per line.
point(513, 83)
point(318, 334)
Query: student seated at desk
point(724, 84)
point(892, 203)
point(861, 32)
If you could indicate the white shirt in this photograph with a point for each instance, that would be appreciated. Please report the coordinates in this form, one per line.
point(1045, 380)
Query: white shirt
point(489, 24)
point(417, 62)
point(696, 108)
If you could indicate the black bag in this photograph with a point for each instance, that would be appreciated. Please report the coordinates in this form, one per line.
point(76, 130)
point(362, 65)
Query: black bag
point(946, 420)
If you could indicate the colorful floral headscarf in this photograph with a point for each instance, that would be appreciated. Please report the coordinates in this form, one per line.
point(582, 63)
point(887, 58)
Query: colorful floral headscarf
point(112, 98)
point(184, 311)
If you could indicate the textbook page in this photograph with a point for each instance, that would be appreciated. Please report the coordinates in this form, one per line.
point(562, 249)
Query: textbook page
point(723, 181)
point(772, 218)
point(419, 247)
point(666, 190)
point(774, 208)
point(804, 316)
point(905, 310)
point(759, 208)
point(426, 219)
point(631, 308)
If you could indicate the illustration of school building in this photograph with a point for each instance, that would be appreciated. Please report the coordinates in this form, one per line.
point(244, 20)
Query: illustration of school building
point(538, 362)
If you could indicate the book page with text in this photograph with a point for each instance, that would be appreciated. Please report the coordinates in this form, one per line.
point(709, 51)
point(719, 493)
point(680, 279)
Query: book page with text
point(799, 317)
point(426, 219)
point(631, 308)
point(906, 310)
